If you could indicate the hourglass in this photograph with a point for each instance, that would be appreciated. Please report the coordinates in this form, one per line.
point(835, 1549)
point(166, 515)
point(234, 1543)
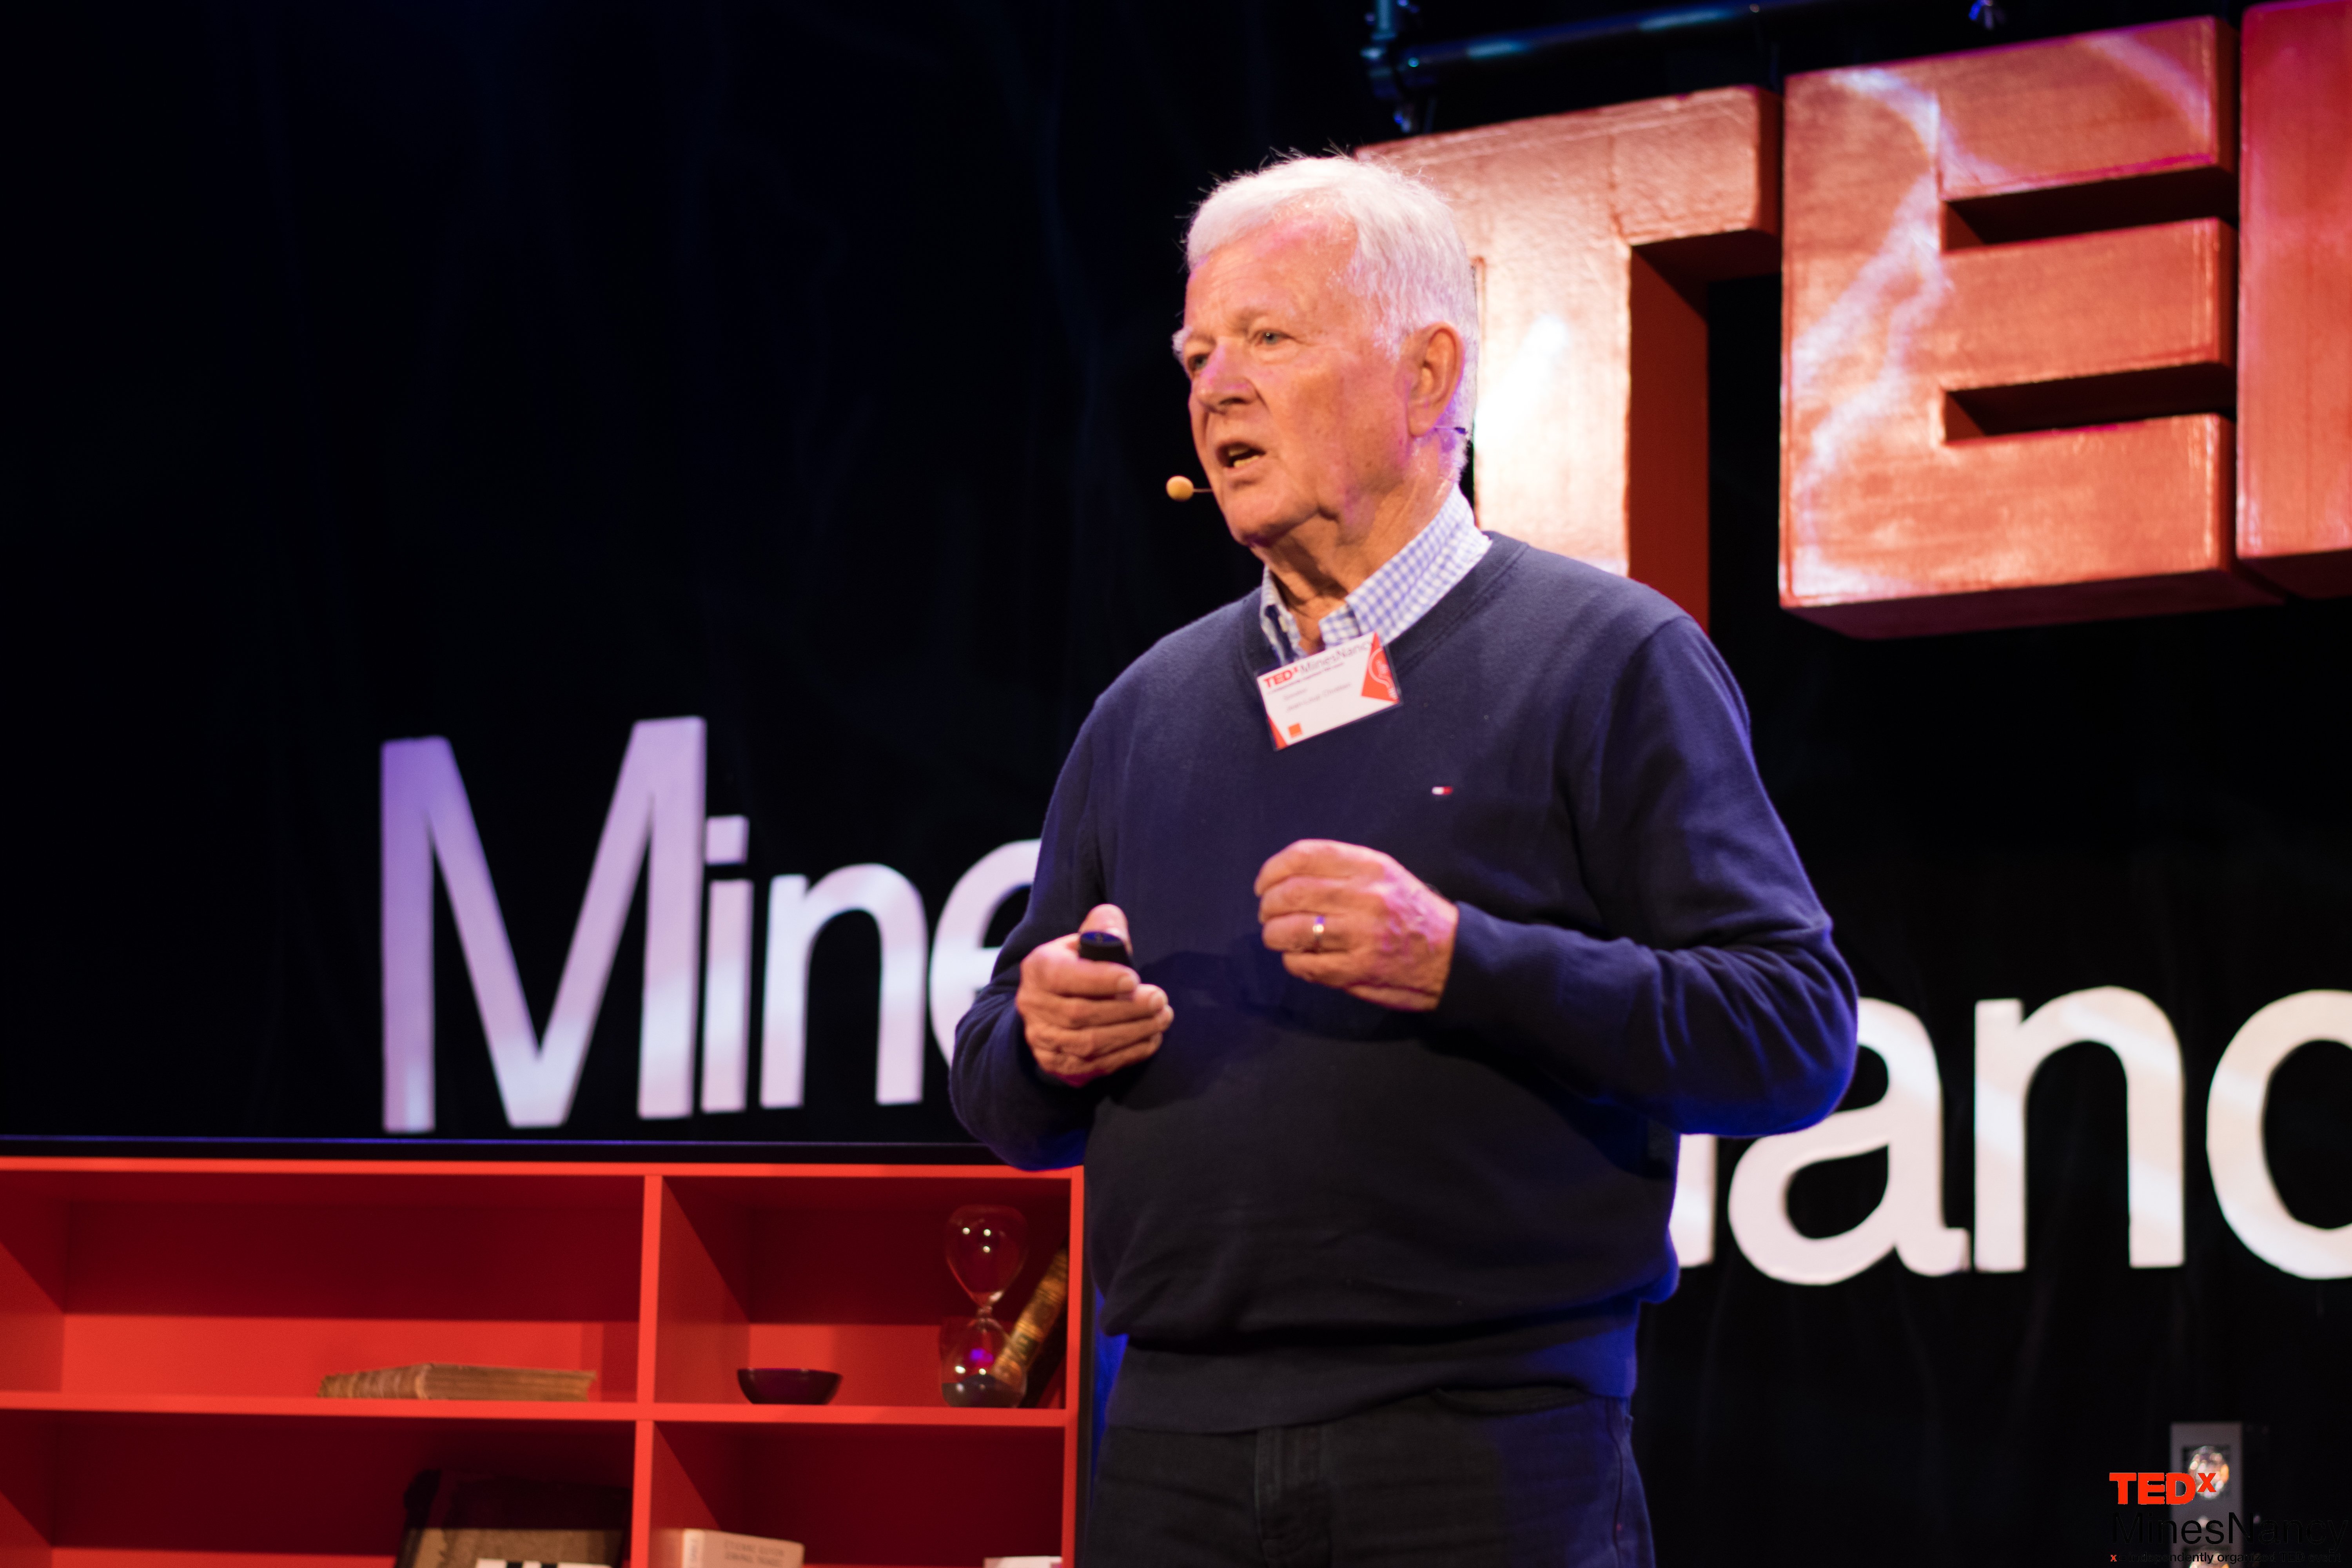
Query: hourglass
point(987, 1243)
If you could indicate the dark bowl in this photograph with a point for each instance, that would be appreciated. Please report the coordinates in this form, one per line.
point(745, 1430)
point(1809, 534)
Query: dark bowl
point(788, 1385)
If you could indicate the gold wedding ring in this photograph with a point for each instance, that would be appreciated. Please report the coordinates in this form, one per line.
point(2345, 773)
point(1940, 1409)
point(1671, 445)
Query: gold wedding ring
point(1318, 935)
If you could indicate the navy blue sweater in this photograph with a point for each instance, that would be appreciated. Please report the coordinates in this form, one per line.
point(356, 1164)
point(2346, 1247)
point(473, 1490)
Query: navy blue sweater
point(1305, 1204)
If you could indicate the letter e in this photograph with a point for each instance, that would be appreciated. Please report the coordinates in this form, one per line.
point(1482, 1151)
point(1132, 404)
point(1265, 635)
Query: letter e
point(1983, 433)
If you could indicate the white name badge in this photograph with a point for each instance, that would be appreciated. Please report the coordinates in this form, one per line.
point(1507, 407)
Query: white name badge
point(1345, 682)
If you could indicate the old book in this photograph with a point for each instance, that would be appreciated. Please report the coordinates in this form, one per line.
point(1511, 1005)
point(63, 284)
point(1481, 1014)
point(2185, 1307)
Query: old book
point(446, 1380)
point(718, 1549)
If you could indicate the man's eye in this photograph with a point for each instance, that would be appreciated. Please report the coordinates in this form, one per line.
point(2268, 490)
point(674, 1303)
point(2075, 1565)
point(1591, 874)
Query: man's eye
point(1269, 336)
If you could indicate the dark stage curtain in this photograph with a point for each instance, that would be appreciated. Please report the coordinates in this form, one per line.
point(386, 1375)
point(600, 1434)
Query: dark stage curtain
point(514, 372)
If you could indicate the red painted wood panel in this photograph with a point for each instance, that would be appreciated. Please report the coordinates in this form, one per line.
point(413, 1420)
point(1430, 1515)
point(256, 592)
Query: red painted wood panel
point(32, 1286)
point(1594, 233)
point(700, 1328)
point(287, 1356)
point(382, 1259)
point(2294, 395)
point(28, 1491)
point(185, 1295)
point(257, 1490)
point(1993, 418)
point(187, 1305)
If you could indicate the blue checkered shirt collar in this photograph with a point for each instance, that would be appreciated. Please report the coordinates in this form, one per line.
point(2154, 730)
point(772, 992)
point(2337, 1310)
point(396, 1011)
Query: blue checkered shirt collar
point(1406, 587)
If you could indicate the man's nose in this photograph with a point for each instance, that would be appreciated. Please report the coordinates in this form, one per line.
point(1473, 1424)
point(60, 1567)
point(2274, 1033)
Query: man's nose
point(1219, 382)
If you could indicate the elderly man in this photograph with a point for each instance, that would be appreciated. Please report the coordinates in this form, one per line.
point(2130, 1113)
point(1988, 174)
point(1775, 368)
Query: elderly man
point(1380, 1123)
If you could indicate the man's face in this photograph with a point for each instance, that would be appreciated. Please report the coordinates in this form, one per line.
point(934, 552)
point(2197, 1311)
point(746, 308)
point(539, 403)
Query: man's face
point(1296, 412)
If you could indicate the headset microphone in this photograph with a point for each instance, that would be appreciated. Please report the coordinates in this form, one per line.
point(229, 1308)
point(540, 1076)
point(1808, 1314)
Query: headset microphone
point(1181, 489)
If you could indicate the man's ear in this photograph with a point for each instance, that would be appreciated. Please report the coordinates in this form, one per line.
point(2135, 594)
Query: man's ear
point(1433, 355)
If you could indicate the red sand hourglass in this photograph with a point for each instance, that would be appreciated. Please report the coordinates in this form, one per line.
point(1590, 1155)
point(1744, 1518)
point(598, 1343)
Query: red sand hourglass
point(987, 1243)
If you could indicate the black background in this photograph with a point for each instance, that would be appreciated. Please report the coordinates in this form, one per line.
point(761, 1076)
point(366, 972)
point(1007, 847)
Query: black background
point(512, 372)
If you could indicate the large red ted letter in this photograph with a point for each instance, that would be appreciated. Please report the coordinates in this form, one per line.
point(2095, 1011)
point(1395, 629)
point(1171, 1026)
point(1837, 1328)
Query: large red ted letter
point(2001, 399)
point(2295, 333)
point(1595, 233)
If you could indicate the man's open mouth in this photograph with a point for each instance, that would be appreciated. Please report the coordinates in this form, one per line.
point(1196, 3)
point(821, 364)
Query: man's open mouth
point(1238, 453)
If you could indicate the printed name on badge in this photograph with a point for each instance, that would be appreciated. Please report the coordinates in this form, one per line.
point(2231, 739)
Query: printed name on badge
point(1345, 682)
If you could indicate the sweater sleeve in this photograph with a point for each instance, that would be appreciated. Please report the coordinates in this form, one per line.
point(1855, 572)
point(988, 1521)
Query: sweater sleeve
point(1031, 1121)
point(1712, 1001)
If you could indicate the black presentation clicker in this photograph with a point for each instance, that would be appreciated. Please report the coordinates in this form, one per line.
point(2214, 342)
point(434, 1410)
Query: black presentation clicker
point(1104, 947)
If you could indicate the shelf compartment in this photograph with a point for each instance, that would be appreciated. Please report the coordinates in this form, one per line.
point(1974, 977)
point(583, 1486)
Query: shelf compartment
point(259, 1283)
point(866, 1494)
point(845, 1273)
point(82, 1489)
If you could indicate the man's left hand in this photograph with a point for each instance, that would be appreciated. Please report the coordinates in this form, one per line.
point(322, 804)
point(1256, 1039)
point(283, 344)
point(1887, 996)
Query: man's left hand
point(1352, 918)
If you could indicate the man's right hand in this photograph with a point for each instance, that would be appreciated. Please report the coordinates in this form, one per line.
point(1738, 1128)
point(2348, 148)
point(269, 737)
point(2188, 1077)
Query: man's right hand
point(1084, 1018)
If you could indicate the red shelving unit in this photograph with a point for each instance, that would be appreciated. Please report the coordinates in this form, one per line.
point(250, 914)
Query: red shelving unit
point(164, 1323)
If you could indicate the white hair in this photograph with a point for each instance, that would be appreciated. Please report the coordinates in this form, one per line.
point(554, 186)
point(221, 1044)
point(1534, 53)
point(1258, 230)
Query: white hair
point(1410, 264)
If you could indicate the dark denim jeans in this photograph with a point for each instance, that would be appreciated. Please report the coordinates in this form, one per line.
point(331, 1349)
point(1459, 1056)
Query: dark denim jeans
point(1464, 1479)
